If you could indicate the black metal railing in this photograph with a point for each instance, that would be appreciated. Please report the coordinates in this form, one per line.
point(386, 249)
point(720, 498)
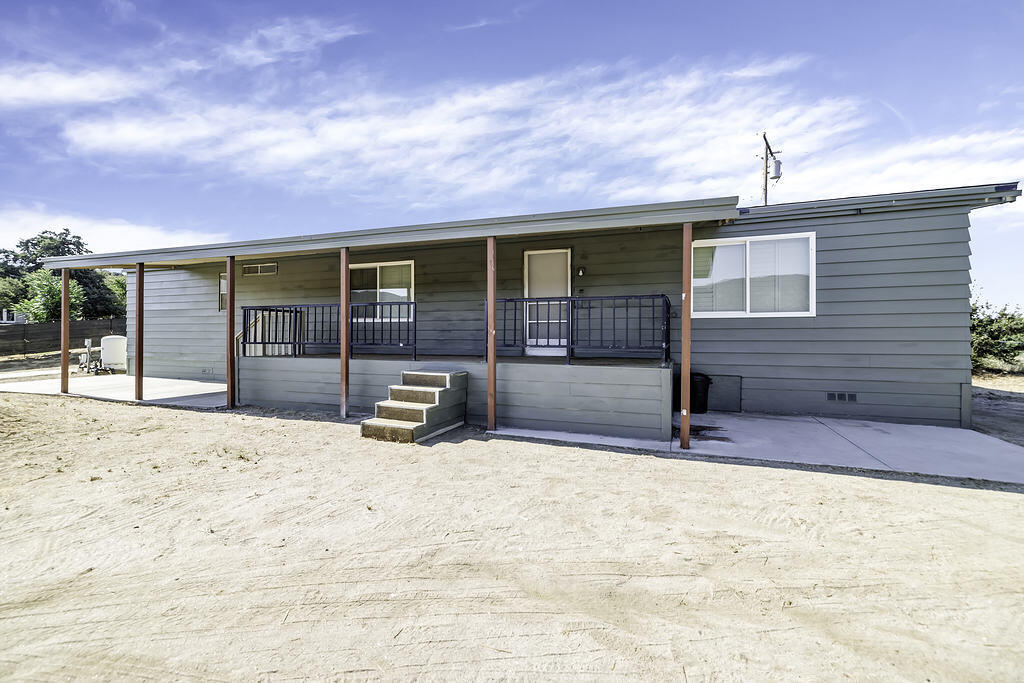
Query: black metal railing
point(384, 324)
point(292, 330)
point(629, 325)
point(313, 329)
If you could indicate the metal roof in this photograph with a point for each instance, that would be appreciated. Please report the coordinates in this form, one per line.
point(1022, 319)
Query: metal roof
point(666, 213)
point(968, 196)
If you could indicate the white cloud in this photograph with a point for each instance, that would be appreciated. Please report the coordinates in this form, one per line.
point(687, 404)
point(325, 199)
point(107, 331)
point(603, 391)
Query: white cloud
point(101, 235)
point(518, 12)
point(37, 85)
point(286, 37)
point(480, 23)
point(769, 68)
point(632, 131)
point(120, 10)
point(637, 135)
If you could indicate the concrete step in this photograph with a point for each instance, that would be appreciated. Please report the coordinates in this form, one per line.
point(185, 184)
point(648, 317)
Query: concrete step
point(425, 404)
point(402, 410)
point(383, 429)
point(425, 379)
point(436, 378)
point(413, 394)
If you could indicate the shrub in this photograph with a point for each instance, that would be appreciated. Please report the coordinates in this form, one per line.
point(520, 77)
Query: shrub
point(996, 333)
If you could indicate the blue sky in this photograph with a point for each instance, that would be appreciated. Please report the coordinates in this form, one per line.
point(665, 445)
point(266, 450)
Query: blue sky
point(150, 123)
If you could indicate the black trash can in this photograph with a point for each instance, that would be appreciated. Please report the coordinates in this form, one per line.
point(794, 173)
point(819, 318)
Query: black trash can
point(699, 385)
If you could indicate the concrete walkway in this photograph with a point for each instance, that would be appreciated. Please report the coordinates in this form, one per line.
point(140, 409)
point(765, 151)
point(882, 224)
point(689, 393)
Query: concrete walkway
point(854, 444)
point(155, 390)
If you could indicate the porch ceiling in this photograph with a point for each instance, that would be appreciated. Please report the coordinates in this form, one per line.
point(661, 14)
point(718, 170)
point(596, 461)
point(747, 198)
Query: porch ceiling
point(700, 211)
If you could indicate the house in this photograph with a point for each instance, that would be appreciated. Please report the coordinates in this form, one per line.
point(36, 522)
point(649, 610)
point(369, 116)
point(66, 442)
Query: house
point(585, 320)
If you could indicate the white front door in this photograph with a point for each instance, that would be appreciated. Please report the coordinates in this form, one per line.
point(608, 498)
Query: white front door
point(546, 274)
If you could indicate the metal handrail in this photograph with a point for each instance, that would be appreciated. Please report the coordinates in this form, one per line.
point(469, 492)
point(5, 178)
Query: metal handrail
point(622, 324)
point(293, 329)
point(288, 330)
point(388, 324)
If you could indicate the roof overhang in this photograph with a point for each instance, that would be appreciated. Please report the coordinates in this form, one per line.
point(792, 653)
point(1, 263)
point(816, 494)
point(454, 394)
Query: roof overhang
point(967, 198)
point(714, 210)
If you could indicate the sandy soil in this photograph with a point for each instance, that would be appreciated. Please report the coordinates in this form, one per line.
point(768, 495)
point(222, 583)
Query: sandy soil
point(141, 541)
point(16, 368)
point(998, 406)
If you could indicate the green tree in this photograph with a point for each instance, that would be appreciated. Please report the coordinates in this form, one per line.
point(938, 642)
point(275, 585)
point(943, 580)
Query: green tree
point(31, 251)
point(43, 302)
point(12, 290)
point(996, 333)
point(117, 284)
point(100, 300)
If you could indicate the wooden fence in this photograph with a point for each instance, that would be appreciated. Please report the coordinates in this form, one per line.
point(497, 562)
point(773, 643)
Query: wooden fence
point(42, 337)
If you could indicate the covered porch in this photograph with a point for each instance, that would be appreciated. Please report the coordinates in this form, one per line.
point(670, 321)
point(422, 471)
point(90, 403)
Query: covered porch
point(578, 311)
point(598, 363)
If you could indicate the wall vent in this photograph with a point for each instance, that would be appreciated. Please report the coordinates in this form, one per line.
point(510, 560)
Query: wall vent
point(840, 396)
point(259, 269)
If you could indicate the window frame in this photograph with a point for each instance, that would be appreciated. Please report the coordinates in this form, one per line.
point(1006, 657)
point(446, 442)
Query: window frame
point(745, 241)
point(222, 305)
point(377, 265)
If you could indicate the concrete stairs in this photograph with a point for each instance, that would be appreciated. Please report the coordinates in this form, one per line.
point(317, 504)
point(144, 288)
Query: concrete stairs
point(425, 404)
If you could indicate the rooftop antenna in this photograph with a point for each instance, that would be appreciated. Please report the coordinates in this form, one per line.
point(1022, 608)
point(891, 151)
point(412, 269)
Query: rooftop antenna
point(776, 165)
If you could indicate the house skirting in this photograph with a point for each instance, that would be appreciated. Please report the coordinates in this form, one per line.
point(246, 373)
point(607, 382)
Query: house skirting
point(628, 401)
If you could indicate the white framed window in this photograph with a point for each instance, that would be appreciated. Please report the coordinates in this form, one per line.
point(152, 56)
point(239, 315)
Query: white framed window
point(764, 276)
point(222, 292)
point(250, 269)
point(385, 282)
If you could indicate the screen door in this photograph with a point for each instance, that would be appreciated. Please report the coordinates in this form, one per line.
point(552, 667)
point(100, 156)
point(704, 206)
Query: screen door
point(546, 275)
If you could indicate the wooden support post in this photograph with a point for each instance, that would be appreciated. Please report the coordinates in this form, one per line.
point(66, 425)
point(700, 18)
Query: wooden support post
point(343, 329)
point(65, 328)
point(684, 338)
point(492, 333)
point(229, 309)
point(140, 274)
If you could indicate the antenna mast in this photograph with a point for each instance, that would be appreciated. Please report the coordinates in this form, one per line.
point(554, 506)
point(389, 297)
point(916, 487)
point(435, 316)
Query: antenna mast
point(776, 166)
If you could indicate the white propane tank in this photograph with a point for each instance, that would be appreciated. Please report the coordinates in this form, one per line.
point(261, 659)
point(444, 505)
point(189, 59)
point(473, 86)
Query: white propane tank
point(114, 352)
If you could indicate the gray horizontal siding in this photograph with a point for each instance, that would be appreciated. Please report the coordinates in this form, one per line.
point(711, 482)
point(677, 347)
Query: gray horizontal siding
point(892, 322)
point(632, 402)
point(892, 312)
point(184, 333)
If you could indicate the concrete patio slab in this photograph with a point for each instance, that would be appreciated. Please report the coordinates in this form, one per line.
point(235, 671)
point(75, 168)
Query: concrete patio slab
point(156, 390)
point(779, 438)
point(935, 450)
point(829, 442)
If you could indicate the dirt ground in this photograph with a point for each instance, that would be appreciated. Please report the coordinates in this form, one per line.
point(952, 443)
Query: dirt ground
point(14, 367)
point(147, 542)
point(998, 406)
